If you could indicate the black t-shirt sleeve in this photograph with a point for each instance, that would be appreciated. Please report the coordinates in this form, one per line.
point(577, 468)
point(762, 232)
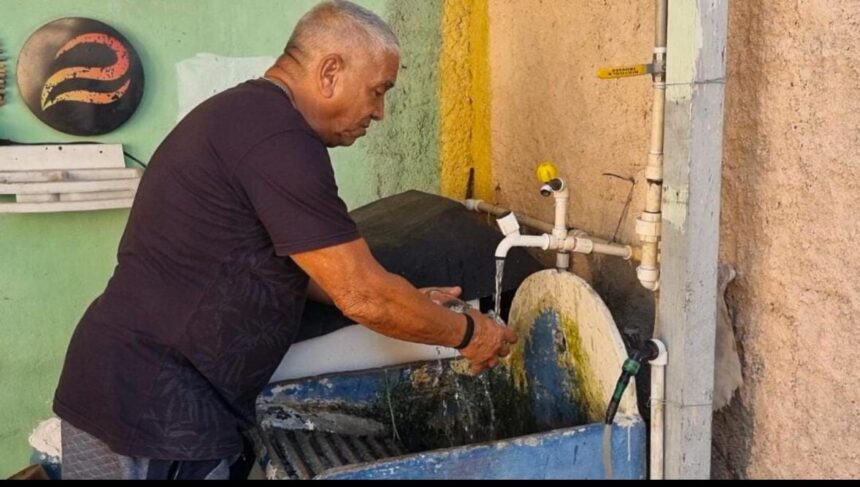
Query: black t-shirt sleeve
point(289, 180)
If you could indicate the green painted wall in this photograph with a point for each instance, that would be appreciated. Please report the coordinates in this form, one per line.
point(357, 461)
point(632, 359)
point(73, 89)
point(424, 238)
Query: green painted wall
point(404, 152)
point(52, 266)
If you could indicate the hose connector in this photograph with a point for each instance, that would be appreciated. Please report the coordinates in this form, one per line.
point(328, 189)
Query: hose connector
point(649, 351)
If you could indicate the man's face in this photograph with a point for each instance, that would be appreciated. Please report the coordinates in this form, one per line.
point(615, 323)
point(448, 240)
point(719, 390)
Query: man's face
point(360, 98)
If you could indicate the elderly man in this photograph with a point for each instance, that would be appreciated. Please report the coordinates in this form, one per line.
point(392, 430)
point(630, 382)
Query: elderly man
point(236, 222)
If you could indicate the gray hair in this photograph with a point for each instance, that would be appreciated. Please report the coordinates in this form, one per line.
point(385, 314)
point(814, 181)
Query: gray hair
point(339, 23)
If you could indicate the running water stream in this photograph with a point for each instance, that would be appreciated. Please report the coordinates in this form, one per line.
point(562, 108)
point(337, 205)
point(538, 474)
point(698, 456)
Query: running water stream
point(497, 297)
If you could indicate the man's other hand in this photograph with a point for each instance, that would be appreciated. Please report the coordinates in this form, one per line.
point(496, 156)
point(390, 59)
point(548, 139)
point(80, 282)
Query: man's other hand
point(490, 342)
point(442, 295)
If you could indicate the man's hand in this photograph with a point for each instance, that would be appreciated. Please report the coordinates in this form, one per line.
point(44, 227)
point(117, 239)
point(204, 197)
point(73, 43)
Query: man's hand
point(490, 342)
point(442, 295)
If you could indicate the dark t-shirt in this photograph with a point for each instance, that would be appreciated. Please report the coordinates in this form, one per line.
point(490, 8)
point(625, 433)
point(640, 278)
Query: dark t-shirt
point(205, 301)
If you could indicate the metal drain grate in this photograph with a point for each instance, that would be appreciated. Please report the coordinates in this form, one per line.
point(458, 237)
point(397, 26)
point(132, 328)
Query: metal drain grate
point(303, 454)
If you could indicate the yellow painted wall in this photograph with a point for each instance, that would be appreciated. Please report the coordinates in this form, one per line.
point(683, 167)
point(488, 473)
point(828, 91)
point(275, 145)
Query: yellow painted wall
point(465, 99)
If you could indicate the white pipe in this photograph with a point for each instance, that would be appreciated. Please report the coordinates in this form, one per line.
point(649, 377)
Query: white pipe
point(516, 240)
point(658, 401)
point(562, 261)
point(546, 242)
point(498, 211)
point(559, 230)
point(625, 251)
point(648, 225)
point(586, 243)
point(561, 198)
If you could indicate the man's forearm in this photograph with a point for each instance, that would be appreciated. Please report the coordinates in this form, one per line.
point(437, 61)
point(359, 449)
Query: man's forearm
point(389, 305)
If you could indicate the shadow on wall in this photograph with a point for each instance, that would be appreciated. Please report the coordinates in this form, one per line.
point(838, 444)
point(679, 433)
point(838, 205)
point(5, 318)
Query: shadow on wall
point(732, 426)
point(731, 446)
point(631, 305)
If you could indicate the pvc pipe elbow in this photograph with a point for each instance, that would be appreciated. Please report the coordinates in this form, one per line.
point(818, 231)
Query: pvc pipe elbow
point(651, 286)
point(663, 357)
point(649, 277)
point(505, 247)
point(554, 187)
point(517, 240)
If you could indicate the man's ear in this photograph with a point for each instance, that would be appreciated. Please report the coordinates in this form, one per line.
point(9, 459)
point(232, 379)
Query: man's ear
point(331, 69)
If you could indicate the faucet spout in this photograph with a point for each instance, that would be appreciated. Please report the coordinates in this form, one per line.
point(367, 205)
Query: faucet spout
point(517, 240)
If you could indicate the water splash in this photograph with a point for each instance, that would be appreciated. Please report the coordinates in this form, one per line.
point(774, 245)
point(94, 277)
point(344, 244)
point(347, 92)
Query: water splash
point(497, 297)
point(485, 382)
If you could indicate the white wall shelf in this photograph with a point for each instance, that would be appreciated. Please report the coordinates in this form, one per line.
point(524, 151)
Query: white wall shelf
point(64, 178)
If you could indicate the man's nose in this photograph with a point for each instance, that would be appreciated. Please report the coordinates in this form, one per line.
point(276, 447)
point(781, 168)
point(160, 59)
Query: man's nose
point(378, 111)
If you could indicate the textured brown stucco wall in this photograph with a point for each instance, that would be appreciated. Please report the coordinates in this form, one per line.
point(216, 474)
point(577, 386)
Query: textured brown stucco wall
point(791, 201)
point(549, 105)
point(791, 196)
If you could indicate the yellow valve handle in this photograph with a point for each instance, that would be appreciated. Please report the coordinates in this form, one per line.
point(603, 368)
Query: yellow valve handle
point(546, 172)
point(624, 71)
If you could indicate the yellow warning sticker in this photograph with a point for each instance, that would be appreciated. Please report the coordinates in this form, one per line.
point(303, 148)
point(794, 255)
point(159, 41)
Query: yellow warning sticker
point(624, 71)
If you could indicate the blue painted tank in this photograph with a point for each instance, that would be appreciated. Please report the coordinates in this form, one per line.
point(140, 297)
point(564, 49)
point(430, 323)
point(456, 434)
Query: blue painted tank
point(537, 416)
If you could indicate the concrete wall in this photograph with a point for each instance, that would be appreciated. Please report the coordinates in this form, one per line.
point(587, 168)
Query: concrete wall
point(52, 266)
point(790, 197)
